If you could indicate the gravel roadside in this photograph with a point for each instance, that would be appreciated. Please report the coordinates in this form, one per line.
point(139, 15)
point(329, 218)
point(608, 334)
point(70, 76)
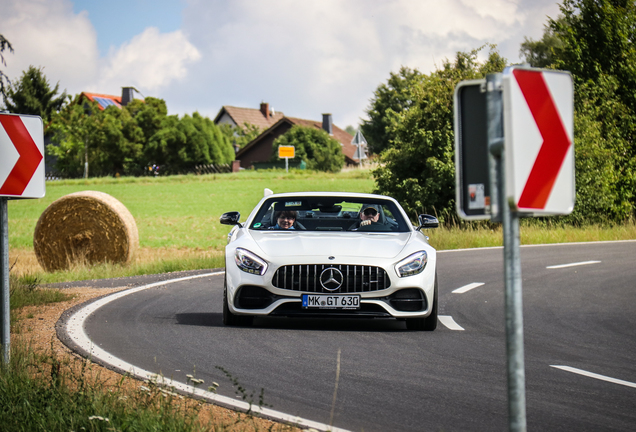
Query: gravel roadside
point(38, 326)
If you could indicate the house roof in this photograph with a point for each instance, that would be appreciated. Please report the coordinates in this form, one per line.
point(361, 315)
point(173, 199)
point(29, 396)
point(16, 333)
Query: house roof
point(251, 116)
point(339, 135)
point(103, 100)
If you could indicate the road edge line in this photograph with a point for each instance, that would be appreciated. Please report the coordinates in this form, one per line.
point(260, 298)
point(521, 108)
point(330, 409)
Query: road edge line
point(74, 328)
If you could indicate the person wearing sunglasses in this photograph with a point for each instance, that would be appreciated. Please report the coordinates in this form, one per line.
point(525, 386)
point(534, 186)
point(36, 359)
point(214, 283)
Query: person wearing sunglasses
point(369, 221)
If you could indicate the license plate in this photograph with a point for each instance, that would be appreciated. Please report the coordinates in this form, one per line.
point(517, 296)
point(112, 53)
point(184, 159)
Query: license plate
point(321, 301)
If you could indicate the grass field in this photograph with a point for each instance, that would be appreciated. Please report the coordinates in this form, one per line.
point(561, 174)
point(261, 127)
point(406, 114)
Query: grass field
point(178, 219)
point(182, 211)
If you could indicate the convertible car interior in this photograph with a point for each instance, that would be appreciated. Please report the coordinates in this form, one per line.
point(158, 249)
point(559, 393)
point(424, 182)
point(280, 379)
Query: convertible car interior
point(331, 215)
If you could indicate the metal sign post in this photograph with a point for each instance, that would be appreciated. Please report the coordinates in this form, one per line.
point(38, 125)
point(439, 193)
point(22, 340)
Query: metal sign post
point(512, 262)
point(21, 176)
point(286, 152)
point(526, 136)
point(5, 322)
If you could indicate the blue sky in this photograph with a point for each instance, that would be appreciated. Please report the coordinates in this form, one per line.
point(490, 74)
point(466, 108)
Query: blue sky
point(303, 57)
point(117, 21)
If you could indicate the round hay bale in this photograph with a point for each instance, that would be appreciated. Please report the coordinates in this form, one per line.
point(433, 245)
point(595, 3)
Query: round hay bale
point(86, 227)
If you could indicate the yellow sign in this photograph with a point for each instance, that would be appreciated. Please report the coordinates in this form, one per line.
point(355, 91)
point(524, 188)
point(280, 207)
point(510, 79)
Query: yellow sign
point(286, 151)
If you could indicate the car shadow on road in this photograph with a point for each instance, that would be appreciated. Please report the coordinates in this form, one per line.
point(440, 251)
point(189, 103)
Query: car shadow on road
point(312, 324)
point(331, 324)
point(200, 319)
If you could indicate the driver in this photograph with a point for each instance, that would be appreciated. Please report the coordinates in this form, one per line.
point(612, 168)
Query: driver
point(368, 216)
point(369, 221)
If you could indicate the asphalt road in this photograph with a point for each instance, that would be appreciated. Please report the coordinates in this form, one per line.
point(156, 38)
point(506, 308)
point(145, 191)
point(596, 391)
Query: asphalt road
point(581, 317)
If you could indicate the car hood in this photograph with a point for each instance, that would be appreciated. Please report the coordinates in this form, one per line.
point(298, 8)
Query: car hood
point(377, 245)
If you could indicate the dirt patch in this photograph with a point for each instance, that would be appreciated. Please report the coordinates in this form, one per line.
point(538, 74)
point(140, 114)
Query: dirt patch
point(36, 327)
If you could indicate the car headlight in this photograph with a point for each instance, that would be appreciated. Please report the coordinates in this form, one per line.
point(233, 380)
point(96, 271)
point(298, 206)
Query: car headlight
point(249, 262)
point(412, 265)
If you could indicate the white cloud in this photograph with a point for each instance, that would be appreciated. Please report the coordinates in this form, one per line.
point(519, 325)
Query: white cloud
point(46, 33)
point(150, 61)
point(306, 58)
point(303, 57)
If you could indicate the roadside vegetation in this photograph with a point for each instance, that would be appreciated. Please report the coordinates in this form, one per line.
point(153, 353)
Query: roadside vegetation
point(179, 229)
point(410, 129)
point(52, 392)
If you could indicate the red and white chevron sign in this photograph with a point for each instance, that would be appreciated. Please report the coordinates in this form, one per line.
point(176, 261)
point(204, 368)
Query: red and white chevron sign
point(21, 156)
point(539, 140)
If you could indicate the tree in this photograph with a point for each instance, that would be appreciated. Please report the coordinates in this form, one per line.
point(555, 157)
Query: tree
point(598, 48)
point(542, 53)
point(419, 169)
point(602, 192)
point(4, 44)
point(181, 144)
point(314, 146)
point(128, 140)
point(240, 136)
point(32, 94)
point(598, 39)
point(388, 99)
point(108, 141)
point(350, 130)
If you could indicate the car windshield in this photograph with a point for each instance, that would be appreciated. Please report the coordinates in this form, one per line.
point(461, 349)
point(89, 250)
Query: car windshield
point(330, 214)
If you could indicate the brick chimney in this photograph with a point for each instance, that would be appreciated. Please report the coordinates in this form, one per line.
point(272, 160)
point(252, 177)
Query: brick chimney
point(327, 123)
point(265, 109)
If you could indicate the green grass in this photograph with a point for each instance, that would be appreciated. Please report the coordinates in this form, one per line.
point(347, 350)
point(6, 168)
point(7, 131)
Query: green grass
point(107, 270)
point(39, 392)
point(178, 218)
point(182, 211)
point(25, 291)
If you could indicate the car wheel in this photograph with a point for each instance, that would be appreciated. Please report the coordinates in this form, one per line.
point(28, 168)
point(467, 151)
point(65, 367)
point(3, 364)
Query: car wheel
point(230, 319)
point(430, 322)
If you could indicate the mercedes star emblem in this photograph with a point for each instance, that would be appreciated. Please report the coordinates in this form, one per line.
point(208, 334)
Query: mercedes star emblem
point(331, 279)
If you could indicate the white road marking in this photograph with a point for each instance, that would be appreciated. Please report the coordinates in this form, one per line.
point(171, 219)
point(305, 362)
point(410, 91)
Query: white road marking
point(468, 287)
point(536, 246)
point(594, 375)
point(572, 264)
point(75, 330)
point(449, 322)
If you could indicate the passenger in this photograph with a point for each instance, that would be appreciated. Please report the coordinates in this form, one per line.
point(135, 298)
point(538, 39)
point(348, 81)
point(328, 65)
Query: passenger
point(285, 220)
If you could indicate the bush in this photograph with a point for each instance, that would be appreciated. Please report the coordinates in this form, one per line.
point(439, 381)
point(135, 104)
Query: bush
point(314, 146)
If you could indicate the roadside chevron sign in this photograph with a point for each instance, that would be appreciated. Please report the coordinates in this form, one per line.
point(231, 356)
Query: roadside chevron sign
point(21, 156)
point(539, 140)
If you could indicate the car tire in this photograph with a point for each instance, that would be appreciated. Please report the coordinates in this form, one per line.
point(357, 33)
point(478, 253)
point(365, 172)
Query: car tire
point(230, 319)
point(430, 322)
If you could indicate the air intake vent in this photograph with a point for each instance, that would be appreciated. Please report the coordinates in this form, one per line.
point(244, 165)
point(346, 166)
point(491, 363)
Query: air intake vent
point(348, 278)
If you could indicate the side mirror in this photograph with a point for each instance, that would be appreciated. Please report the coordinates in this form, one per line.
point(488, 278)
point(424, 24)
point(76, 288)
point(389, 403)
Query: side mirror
point(231, 218)
point(427, 221)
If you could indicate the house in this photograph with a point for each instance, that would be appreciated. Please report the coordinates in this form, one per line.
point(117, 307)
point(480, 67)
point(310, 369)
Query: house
point(263, 118)
point(104, 100)
point(260, 148)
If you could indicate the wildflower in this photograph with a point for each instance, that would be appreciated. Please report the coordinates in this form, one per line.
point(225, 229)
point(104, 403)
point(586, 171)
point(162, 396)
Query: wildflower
point(100, 418)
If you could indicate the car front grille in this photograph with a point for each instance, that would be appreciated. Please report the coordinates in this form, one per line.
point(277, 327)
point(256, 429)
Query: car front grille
point(355, 278)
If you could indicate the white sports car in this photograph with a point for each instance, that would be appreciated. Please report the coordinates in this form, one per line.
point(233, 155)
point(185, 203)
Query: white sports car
point(329, 254)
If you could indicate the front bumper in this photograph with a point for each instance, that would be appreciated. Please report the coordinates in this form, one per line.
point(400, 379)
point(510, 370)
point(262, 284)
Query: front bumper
point(406, 297)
